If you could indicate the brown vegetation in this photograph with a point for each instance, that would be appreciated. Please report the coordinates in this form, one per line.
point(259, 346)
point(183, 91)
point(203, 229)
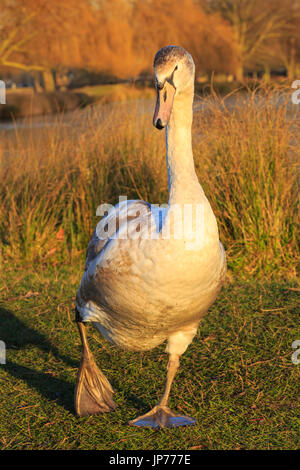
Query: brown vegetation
point(121, 37)
point(53, 179)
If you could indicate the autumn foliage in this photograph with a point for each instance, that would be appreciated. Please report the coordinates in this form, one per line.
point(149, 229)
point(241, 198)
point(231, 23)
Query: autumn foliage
point(120, 37)
point(115, 36)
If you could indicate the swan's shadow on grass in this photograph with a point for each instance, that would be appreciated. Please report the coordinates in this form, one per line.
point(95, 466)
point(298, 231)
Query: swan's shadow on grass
point(17, 336)
point(55, 390)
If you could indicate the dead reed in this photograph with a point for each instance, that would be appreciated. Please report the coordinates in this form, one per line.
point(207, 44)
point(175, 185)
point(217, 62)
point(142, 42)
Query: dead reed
point(246, 150)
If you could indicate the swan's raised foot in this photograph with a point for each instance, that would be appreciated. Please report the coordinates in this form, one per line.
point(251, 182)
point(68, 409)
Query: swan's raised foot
point(93, 393)
point(162, 417)
point(87, 402)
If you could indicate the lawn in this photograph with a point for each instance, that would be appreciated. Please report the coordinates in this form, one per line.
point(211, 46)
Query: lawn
point(237, 377)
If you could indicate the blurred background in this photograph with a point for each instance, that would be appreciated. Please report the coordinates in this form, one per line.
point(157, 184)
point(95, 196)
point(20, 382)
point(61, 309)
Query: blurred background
point(61, 46)
point(76, 127)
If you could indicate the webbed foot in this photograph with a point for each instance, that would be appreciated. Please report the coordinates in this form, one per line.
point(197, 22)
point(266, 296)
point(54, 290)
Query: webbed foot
point(93, 393)
point(162, 417)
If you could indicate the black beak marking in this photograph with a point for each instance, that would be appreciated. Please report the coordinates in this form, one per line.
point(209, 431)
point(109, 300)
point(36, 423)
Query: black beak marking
point(159, 124)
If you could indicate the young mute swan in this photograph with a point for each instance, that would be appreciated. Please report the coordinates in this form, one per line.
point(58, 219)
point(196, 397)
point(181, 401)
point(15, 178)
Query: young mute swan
point(152, 273)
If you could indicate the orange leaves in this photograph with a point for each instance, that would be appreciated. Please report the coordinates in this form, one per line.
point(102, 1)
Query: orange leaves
point(117, 36)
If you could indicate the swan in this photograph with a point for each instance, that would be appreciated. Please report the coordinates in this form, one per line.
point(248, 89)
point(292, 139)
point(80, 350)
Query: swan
point(152, 272)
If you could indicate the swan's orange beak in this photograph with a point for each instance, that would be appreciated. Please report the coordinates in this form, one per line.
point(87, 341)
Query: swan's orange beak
point(164, 104)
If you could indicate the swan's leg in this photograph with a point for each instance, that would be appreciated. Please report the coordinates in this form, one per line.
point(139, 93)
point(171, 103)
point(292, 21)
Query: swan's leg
point(161, 415)
point(93, 392)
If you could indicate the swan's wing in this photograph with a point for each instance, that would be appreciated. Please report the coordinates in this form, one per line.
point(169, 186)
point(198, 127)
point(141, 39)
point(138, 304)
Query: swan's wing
point(113, 237)
point(114, 224)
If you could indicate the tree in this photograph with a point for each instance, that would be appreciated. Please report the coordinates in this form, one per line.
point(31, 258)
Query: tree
point(286, 49)
point(254, 25)
point(38, 36)
point(14, 34)
point(206, 36)
point(115, 36)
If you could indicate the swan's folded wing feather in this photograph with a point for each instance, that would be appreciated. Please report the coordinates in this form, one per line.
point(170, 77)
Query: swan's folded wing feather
point(104, 244)
point(113, 223)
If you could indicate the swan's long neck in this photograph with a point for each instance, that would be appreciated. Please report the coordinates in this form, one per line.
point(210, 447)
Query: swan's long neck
point(184, 186)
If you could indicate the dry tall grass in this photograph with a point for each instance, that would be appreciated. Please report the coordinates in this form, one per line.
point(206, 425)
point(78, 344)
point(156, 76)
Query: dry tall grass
point(53, 179)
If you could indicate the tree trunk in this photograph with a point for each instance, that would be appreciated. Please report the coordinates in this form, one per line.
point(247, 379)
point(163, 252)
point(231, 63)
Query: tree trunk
point(48, 80)
point(267, 74)
point(239, 73)
point(37, 81)
point(291, 66)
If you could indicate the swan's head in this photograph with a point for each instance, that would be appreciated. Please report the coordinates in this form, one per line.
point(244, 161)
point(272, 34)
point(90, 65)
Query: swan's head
point(174, 71)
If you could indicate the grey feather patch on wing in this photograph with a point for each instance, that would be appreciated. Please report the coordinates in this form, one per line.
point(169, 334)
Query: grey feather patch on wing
point(110, 225)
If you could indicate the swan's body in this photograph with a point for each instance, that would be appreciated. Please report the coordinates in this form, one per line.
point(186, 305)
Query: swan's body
point(149, 282)
point(141, 292)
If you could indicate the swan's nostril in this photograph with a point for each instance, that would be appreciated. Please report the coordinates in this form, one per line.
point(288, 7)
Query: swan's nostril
point(159, 124)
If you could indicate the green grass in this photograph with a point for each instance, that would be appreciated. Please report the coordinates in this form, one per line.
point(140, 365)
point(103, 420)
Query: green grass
point(237, 377)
